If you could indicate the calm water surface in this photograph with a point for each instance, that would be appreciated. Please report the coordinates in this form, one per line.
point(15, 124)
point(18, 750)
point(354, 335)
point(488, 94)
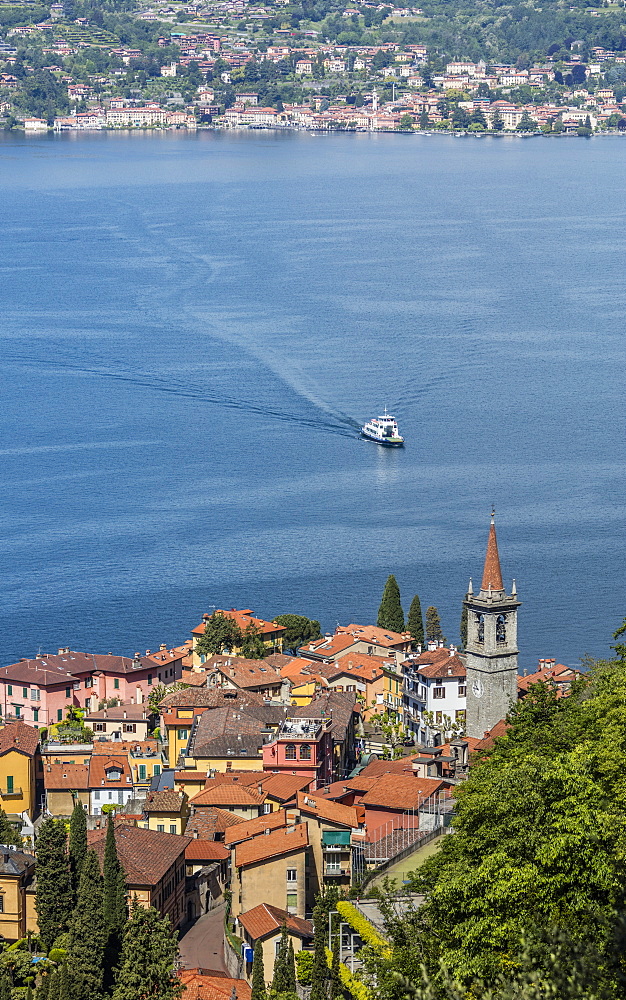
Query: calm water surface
point(192, 328)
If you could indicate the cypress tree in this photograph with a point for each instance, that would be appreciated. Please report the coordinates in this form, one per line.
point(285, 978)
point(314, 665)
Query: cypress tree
point(43, 990)
point(53, 986)
point(87, 935)
point(463, 628)
point(291, 969)
point(53, 895)
point(390, 613)
point(319, 969)
point(433, 625)
point(415, 624)
point(148, 954)
point(280, 973)
point(5, 986)
point(258, 991)
point(64, 986)
point(334, 986)
point(78, 843)
point(114, 903)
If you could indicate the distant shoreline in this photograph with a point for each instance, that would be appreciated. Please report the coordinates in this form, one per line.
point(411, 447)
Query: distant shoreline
point(156, 130)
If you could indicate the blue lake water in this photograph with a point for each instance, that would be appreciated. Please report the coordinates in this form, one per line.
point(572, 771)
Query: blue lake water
point(192, 328)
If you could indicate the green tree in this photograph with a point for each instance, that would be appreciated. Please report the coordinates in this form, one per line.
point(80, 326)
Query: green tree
point(406, 123)
point(414, 623)
point(8, 833)
point(299, 630)
point(220, 633)
point(433, 625)
point(463, 626)
point(558, 125)
point(284, 975)
point(424, 119)
point(114, 904)
point(78, 843)
point(5, 985)
point(390, 613)
point(497, 121)
point(319, 970)
point(148, 955)
point(258, 987)
point(87, 936)
point(53, 893)
point(334, 982)
point(252, 645)
point(526, 123)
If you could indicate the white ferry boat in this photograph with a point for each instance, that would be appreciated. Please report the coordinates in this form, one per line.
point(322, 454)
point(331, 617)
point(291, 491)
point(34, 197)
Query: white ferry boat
point(383, 430)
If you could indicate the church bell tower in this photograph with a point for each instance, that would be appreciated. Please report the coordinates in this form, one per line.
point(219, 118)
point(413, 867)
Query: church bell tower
point(491, 648)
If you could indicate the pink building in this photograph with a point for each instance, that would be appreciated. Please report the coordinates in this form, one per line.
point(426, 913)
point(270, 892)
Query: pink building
point(303, 747)
point(40, 690)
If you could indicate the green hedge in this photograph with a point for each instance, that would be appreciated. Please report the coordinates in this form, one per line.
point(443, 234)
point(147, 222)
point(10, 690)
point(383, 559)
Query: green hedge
point(354, 986)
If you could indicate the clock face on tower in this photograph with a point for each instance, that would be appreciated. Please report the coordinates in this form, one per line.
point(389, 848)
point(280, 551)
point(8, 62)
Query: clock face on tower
point(477, 688)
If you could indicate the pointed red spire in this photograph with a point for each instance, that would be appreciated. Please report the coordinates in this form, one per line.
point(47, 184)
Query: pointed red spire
point(492, 574)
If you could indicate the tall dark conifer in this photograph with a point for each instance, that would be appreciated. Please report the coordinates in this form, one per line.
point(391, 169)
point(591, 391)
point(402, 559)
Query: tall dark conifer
point(291, 969)
point(53, 894)
point(87, 936)
point(319, 969)
point(259, 990)
point(148, 955)
point(390, 613)
point(78, 843)
point(114, 903)
point(415, 624)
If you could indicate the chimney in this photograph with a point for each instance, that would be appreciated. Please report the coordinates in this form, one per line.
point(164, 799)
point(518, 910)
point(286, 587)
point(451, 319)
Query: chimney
point(162, 646)
point(147, 652)
point(124, 713)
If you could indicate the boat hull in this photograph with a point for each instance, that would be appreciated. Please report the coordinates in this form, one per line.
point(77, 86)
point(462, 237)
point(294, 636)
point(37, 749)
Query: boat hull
point(385, 442)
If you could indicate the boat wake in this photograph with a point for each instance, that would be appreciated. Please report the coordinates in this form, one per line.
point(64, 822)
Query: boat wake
point(332, 422)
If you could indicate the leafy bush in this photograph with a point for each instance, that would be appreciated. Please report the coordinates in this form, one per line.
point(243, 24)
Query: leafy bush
point(304, 965)
point(363, 927)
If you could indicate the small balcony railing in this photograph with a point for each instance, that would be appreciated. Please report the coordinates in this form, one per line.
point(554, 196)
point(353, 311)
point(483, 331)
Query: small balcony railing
point(8, 793)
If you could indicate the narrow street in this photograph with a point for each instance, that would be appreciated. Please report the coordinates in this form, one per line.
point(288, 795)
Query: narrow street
point(202, 946)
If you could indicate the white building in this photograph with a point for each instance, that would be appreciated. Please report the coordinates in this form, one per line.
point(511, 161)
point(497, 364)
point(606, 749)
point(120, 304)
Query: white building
point(434, 693)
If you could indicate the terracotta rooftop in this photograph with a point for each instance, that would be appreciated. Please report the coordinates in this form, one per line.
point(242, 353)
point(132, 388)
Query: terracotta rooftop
point(206, 850)
point(19, 736)
point(205, 984)
point(338, 705)
point(492, 574)
point(326, 809)
point(145, 855)
point(443, 663)
point(367, 668)
point(209, 698)
point(243, 617)
point(210, 823)
point(101, 767)
point(401, 791)
point(171, 802)
point(500, 729)
point(374, 634)
point(272, 845)
point(264, 920)
point(57, 669)
point(253, 827)
point(228, 794)
point(376, 768)
point(60, 775)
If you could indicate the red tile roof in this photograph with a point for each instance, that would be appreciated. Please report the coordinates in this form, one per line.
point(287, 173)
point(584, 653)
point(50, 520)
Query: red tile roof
point(272, 845)
point(325, 809)
point(443, 663)
point(401, 792)
point(206, 850)
point(228, 794)
point(243, 617)
point(145, 855)
point(264, 920)
point(19, 736)
point(204, 984)
point(253, 827)
point(209, 823)
point(101, 765)
point(58, 775)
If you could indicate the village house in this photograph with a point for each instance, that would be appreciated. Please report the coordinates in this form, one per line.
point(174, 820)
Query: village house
point(304, 747)
point(435, 694)
point(257, 676)
point(264, 923)
point(154, 864)
point(20, 766)
point(342, 709)
point(66, 783)
point(110, 781)
point(165, 812)
point(121, 722)
point(207, 867)
point(271, 867)
point(17, 894)
point(270, 633)
point(336, 833)
point(228, 793)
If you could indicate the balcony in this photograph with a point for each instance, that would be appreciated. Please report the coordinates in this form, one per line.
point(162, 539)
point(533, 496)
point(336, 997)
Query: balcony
point(11, 793)
point(332, 872)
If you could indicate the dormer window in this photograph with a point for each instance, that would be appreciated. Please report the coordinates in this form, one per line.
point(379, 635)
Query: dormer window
point(113, 774)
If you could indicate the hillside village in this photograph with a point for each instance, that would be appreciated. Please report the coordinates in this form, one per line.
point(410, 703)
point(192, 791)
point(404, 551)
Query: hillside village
point(240, 65)
point(241, 788)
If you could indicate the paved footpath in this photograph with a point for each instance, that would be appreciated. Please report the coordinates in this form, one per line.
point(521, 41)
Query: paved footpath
point(203, 944)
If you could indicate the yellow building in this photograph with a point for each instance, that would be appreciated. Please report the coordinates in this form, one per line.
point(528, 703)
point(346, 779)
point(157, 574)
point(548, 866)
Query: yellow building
point(270, 634)
point(271, 867)
point(17, 913)
point(264, 923)
point(165, 812)
point(19, 755)
point(66, 783)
